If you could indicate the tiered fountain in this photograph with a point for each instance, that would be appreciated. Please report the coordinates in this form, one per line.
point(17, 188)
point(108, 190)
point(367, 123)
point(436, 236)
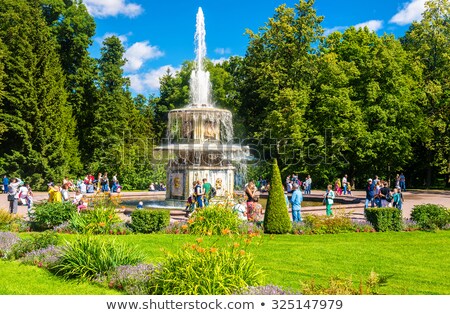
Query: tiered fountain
point(200, 136)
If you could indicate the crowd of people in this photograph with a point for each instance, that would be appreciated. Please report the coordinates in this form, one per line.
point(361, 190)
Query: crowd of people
point(379, 194)
point(200, 195)
point(294, 179)
point(18, 192)
point(157, 187)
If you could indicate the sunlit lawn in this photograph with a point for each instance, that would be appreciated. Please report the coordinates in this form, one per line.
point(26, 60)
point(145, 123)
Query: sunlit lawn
point(417, 261)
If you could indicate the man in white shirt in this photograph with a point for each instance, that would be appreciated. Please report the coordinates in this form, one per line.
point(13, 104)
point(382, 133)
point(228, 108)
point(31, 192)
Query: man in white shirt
point(344, 184)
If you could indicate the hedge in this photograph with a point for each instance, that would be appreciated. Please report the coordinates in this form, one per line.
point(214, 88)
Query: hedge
point(149, 221)
point(384, 219)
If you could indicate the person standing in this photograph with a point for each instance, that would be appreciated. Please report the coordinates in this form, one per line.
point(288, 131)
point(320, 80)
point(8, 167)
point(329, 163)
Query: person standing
point(199, 193)
point(207, 191)
point(402, 181)
point(250, 193)
point(385, 195)
point(328, 198)
point(13, 195)
point(296, 201)
point(105, 182)
point(5, 184)
point(370, 193)
point(344, 183)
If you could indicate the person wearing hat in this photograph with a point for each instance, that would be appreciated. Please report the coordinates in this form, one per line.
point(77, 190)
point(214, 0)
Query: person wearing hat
point(296, 201)
point(370, 193)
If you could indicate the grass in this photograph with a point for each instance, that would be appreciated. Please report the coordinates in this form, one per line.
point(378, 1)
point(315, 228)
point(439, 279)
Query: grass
point(19, 279)
point(417, 261)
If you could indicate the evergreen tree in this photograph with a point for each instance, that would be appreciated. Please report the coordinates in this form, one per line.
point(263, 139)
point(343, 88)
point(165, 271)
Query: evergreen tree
point(276, 217)
point(39, 144)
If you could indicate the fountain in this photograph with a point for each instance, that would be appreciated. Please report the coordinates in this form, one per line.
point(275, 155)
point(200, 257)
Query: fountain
point(200, 136)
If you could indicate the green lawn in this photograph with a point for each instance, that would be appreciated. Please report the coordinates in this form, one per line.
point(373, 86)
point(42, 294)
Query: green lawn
point(418, 261)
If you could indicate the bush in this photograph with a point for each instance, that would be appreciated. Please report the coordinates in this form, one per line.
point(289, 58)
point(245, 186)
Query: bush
point(149, 221)
point(321, 224)
point(216, 219)
point(47, 215)
point(430, 216)
point(97, 221)
point(344, 286)
point(35, 242)
point(276, 217)
point(5, 220)
point(44, 257)
point(132, 279)
point(384, 219)
point(7, 242)
point(89, 257)
point(197, 270)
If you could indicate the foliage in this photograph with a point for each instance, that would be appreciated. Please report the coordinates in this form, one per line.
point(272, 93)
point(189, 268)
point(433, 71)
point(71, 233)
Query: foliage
point(215, 219)
point(35, 242)
point(149, 221)
point(321, 224)
point(88, 257)
point(384, 219)
point(8, 221)
point(43, 257)
point(344, 286)
point(202, 270)
point(269, 289)
point(430, 216)
point(177, 227)
point(276, 217)
point(133, 280)
point(7, 242)
point(50, 214)
point(97, 221)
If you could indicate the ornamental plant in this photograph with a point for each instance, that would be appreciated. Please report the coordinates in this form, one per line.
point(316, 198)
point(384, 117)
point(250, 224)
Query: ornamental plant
point(215, 219)
point(47, 215)
point(384, 219)
point(206, 270)
point(89, 257)
point(149, 221)
point(100, 220)
point(430, 216)
point(276, 217)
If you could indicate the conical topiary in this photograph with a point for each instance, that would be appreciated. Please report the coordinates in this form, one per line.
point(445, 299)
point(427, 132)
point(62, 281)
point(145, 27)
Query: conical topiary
point(276, 217)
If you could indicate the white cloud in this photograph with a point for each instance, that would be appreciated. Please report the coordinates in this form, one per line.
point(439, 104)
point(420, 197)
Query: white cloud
point(222, 51)
point(411, 11)
point(105, 8)
point(149, 81)
point(219, 61)
point(122, 37)
point(139, 53)
point(373, 25)
point(328, 31)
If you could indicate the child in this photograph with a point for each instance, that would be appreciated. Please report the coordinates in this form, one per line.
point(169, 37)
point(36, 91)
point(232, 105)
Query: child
point(83, 205)
point(140, 205)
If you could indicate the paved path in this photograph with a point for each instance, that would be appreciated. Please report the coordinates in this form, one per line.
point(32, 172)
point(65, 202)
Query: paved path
point(412, 198)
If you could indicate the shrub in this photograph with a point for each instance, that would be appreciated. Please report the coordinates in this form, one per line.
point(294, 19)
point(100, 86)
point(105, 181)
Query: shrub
point(44, 257)
point(35, 242)
point(132, 279)
point(5, 220)
point(216, 219)
point(177, 227)
point(7, 242)
point(266, 290)
point(344, 286)
point(89, 257)
point(321, 224)
point(276, 217)
point(149, 221)
point(47, 215)
point(97, 221)
point(430, 216)
point(384, 219)
point(197, 270)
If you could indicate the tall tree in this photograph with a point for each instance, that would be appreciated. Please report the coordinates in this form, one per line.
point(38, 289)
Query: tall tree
point(39, 144)
point(428, 41)
point(278, 67)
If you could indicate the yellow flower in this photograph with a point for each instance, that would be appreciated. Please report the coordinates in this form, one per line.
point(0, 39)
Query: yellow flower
point(236, 245)
point(247, 241)
point(209, 233)
point(102, 224)
point(199, 240)
point(184, 227)
point(213, 250)
point(200, 250)
point(242, 252)
point(190, 221)
point(201, 218)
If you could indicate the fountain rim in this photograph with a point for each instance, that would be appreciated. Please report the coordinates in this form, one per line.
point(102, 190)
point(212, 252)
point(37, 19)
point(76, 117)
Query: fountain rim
point(199, 109)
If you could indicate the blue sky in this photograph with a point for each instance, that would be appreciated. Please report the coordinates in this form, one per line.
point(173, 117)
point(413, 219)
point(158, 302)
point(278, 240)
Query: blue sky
point(159, 34)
